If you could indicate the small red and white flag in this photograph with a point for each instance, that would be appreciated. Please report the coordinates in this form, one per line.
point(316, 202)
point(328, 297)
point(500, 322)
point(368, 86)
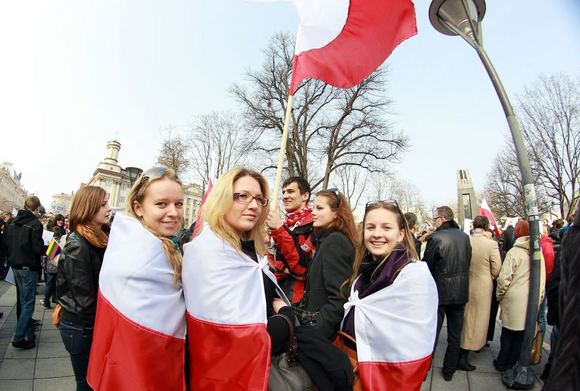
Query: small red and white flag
point(229, 344)
point(485, 210)
point(139, 335)
point(343, 41)
point(395, 330)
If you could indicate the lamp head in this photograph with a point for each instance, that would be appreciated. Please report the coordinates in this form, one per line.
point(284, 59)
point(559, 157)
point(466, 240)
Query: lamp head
point(458, 17)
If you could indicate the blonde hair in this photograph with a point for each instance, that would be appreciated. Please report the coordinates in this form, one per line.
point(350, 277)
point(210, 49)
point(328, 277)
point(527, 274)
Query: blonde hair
point(362, 252)
point(137, 194)
point(221, 199)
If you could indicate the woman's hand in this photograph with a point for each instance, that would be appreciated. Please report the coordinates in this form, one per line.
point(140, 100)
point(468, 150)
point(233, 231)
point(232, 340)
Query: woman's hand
point(277, 304)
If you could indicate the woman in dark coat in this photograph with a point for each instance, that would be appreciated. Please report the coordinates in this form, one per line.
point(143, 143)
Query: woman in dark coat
point(335, 240)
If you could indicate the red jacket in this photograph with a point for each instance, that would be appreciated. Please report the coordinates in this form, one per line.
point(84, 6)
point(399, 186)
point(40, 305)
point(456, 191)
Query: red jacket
point(291, 256)
point(547, 248)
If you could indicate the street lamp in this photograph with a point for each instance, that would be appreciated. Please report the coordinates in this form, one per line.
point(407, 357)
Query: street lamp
point(133, 173)
point(463, 18)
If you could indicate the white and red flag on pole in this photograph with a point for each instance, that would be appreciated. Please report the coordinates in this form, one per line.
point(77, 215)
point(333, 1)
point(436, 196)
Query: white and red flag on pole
point(229, 344)
point(139, 335)
point(395, 330)
point(485, 210)
point(343, 41)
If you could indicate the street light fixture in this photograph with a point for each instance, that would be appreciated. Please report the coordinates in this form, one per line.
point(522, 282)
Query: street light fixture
point(463, 18)
point(133, 173)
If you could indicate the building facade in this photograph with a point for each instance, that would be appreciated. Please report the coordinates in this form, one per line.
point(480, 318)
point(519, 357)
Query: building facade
point(61, 203)
point(12, 194)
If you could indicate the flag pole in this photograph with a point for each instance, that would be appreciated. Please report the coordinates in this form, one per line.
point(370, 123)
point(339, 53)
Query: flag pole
point(276, 188)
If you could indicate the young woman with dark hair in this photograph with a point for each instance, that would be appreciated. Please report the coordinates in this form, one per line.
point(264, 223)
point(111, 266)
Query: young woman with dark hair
point(335, 238)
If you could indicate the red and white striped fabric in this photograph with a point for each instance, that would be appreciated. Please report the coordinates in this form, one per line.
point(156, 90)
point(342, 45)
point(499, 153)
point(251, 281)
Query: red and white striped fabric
point(485, 210)
point(139, 335)
point(229, 344)
point(395, 330)
point(343, 41)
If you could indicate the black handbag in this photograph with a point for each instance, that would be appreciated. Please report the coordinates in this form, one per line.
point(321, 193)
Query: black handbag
point(286, 374)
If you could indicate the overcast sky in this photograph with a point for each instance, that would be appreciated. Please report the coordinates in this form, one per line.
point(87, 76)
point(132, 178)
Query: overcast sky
point(75, 74)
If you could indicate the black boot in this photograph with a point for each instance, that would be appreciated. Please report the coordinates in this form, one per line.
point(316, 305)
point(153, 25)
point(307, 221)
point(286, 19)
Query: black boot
point(463, 364)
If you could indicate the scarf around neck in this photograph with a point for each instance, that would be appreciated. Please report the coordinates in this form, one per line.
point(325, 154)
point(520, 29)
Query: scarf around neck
point(96, 237)
point(299, 218)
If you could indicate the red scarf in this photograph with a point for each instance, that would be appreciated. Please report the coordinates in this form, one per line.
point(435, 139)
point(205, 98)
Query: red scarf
point(297, 219)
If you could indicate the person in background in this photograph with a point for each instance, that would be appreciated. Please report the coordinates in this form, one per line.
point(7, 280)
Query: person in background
point(292, 251)
point(513, 284)
point(483, 270)
point(50, 266)
point(448, 255)
point(412, 224)
point(77, 281)
point(335, 239)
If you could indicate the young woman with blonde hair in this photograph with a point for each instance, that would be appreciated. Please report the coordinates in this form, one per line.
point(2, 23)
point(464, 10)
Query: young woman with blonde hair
point(391, 313)
point(230, 292)
point(139, 340)
point(77, 281)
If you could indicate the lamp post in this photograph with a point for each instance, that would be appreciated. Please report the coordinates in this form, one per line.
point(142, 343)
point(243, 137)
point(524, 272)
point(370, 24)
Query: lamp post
point(463, 18)
point(133, 173)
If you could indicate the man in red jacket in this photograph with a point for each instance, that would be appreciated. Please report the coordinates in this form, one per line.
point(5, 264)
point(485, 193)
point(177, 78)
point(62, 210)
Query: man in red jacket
point(292, 251)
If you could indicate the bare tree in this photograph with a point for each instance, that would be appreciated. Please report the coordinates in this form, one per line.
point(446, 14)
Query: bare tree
point(174, 153)
point(352, 184)
point(330, 127)
point(550, 119)
point(218, 143)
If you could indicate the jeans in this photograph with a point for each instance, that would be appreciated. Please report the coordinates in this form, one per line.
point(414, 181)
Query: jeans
point(454, 313)
point(542, 320)
point(510, 348)
point(26, 281)
point(77, 341)
point(49, 288)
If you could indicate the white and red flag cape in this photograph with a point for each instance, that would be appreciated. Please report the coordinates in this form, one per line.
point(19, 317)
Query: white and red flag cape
point(139, 335)
point(229, 344)
point(485, 210)
point(343, 41)
point(395, 330)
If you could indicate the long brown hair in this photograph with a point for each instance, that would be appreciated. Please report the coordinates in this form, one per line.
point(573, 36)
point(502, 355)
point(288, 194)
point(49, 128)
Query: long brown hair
point(220, 201)
point(137, 194)
point(85, 205)
point(362, 252)
point(344, 221)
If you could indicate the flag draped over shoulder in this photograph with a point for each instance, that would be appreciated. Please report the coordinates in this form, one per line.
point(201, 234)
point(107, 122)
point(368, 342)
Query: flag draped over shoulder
point(139, 335)
point(485, 210)
point(343, 41)
point(395, 330)
point(229, 344)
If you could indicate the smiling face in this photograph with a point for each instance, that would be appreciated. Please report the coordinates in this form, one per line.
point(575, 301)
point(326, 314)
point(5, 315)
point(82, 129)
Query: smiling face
point(161, 209)
point(322, 214)
point(381, 231)
point(244, 215)
point(293, 200)
point(102, 216)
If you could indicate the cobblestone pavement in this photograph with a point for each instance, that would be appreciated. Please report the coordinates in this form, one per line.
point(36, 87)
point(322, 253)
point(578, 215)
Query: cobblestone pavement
point(47, 367)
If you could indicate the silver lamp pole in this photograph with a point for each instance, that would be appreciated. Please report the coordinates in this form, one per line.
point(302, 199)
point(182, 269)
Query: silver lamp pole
point(463, 18)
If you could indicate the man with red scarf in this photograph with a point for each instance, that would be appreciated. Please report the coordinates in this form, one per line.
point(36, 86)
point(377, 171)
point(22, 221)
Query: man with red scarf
point(292, 249)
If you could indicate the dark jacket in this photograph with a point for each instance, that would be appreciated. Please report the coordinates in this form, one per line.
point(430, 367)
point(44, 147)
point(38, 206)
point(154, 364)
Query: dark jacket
point(23, 239)
point(330, 268)
point(77, 282)
point(448, 255)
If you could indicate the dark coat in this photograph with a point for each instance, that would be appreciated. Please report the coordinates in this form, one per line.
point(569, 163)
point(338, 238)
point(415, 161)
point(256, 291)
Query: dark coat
point(330, 268)
point(448, 255)
point(23, 240)
point(77, 282)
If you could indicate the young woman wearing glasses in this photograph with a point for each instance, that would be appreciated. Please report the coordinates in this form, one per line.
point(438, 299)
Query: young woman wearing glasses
point(139, 340)
point(392, 310)
point(229, 290)
point(335, 238)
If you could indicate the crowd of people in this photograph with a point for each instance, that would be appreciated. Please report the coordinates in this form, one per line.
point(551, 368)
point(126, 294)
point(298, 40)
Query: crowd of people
point(352, 306)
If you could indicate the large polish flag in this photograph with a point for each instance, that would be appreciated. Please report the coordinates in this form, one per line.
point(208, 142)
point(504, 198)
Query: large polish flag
point(395, 330)
point(485, 210)
point(229, 344)
point(139, 335)
point(343, 41)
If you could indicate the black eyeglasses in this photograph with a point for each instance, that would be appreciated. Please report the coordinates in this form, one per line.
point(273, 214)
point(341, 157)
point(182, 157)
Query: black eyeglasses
point(246, 198)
